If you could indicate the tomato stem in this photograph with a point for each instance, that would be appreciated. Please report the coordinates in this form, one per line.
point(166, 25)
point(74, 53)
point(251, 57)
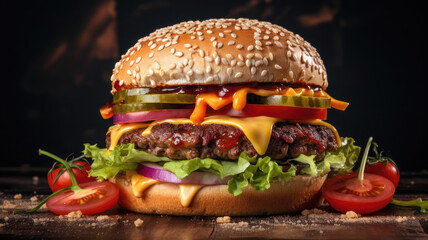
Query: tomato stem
point(41, 203)
point(364, 160)
point(74, 186)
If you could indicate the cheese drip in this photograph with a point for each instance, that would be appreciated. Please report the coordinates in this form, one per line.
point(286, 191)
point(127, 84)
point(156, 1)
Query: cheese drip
point(140, 184)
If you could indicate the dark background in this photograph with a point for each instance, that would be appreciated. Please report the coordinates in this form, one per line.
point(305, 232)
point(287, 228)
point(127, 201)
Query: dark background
point(58, 57)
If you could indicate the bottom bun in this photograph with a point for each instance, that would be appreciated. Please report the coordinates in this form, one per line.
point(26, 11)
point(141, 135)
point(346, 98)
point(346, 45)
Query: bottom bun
point(298, 193)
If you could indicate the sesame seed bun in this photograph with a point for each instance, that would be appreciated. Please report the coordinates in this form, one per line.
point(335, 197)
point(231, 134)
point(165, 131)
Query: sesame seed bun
point(299, 193)
point(219, 51)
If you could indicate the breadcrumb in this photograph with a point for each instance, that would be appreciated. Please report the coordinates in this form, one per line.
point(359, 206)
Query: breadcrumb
point(33, 199)
point(225, 219)
point(76, 214)
point(352, 214)
point(17, 196)
point(138, 223)
point(102, 218)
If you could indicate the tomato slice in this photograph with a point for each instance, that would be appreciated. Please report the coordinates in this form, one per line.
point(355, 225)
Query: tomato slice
point(283, 112)
point(346, 192)
point(95, 197)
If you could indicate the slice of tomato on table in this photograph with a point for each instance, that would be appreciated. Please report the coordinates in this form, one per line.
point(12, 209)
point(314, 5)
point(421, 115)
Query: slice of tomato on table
point(94, 197)
point(360, 192)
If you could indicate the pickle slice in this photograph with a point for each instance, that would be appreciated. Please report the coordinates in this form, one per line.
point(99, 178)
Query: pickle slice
point(138, 107)
point(155, 98)
point(291, 101)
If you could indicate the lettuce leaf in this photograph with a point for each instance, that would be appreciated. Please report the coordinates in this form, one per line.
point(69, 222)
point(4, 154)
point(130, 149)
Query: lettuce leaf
point(258, 172)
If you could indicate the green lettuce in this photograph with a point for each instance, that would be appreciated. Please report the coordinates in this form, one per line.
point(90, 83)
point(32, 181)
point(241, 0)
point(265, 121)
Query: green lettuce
point(258, 172)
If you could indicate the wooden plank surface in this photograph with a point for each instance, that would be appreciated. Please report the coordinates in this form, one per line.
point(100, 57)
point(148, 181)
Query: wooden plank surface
point(389, 223)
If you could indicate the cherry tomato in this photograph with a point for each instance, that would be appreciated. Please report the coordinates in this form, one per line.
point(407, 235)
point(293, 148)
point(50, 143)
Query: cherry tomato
point(347, 193)
point(63, 180)
point(95, 197)
point(284, 112)
point(389, 171)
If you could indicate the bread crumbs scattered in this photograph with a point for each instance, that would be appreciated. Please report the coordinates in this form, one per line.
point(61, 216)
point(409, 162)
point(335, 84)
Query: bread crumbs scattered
point(401, 219)
point(6, 218)
point(138, 223)
point(225, 219)
point(76, 214)
point(8, 204)
point(17, 196)
point(102, 218)
point(352, 214)
point(243, 223)
point(33, 199)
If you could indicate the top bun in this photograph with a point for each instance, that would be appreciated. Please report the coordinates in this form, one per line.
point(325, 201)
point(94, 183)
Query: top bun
point(219, 51)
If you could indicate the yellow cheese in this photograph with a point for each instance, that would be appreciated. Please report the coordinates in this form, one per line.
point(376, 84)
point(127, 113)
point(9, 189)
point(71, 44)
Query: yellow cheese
point(139, 183)
point(258, 130)
point(119, 129)
point(188, 192)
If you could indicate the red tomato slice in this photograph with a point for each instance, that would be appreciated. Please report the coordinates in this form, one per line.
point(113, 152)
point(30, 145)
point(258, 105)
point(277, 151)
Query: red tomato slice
point(389, 171)
point(284, 112)
point(346, 193)
point(64, 180)
point(95, 197)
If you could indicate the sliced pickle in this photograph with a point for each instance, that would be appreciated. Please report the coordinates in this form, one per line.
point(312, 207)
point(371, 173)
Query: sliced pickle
point(291, 101)
point(155, 98)
point(138, 107)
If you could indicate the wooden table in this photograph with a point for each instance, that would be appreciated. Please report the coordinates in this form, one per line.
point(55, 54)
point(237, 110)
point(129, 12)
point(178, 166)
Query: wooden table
point(323, 223)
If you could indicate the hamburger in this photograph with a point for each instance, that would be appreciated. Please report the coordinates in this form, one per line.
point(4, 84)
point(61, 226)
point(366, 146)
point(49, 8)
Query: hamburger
point(220, 117)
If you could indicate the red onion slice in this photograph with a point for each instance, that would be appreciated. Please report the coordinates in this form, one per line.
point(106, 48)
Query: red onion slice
point(154, 171)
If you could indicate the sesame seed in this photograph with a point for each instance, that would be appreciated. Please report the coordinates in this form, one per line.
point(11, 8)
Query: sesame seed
point(210, 79)
point(150, 72)
point(291, 74)
point(214, 43)
point(258, 63)
point(138, 47)
point(161, 47)
point(224, 61)
point(156, 65)
point(208, 69)
point(258, 42)
point(229, 71)
point(250, 55)
point(240, 64)
point(271, 56)
point(150, 43)
point(189, 73)
point(276, 38)
point(217, 60)
point(201, 38)
point(137, 68)
point(250, 48)
point(131, 63)
point(277, 66)
point(199, 33)
point(230, 43)
point(258, 47)
point(239, 46)
point(172, 50)
point(268, 43)
point(253, 70)
point(209, 31)
point(258, 55)
point(212, 39)
point(129, 72)
point(238, 75)
point(229, 56)
point(121, 82)
point(208, 59)
point(178, 54)
point(248, 63)
point(187, 45)
point(172, 66)
point(241, 57)
point(192, 37)
point(138, 60)
point(288, 54)
point(278, 44)
point(233, 35)
point(221, 34)
point(220, 44)
point(233, 62)
point(153, 46)
point(201, 53)
point(263, 73)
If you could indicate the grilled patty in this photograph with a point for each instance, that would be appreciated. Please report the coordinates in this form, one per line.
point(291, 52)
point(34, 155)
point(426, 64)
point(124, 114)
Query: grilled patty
point(186, 141)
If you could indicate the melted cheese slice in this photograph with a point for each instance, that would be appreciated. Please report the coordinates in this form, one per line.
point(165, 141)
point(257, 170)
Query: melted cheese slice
point(258, 130)
point(118, 130)
point(139, 184)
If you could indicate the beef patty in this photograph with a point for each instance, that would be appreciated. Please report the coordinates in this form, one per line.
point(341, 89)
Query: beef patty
point(186, 141)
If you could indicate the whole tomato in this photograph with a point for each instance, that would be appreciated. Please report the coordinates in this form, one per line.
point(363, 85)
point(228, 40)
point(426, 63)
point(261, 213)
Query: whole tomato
point(388, 170)
point(58, 177)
